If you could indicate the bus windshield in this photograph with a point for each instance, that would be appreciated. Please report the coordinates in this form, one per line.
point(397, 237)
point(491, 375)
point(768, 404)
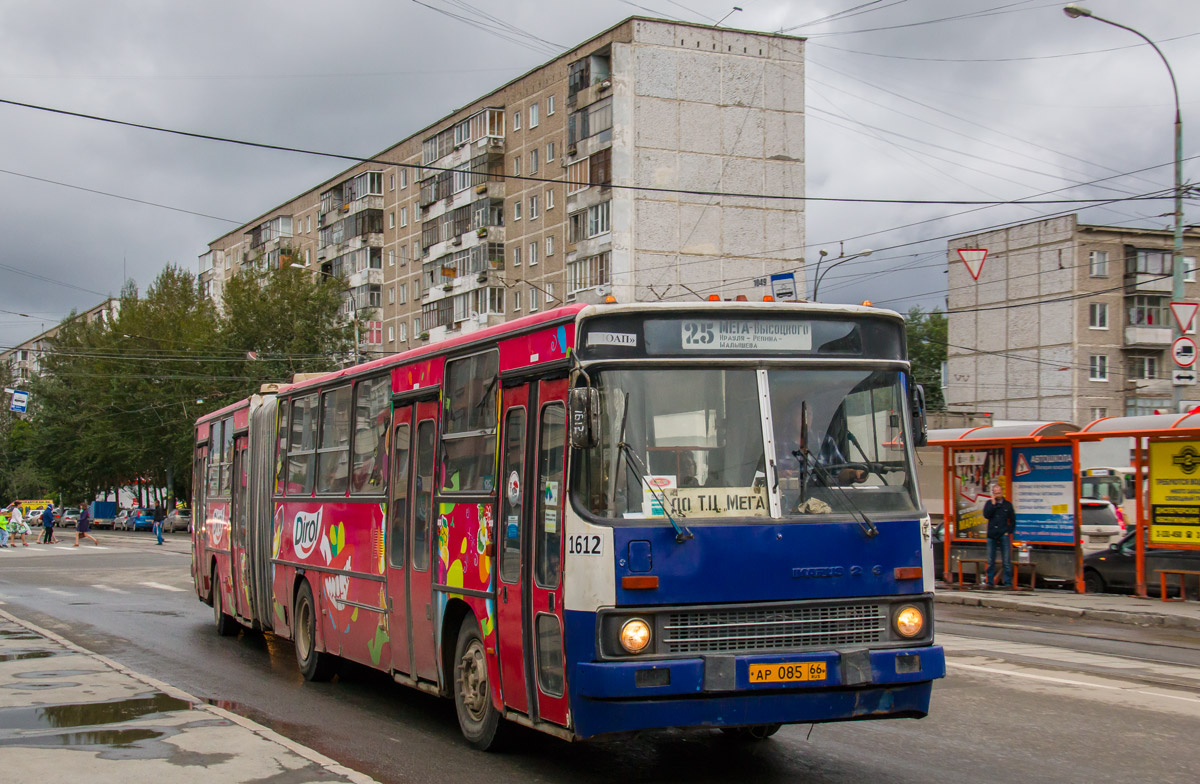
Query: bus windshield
point(696, 444)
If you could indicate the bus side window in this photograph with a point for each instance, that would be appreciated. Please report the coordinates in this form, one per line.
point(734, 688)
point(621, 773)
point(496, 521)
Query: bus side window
point(513, 494)
point(398, 509)
point(423, 501)
point(548, 548)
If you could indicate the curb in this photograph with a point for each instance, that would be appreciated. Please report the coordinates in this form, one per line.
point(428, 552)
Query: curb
point(1041, 608)
point(327, 763)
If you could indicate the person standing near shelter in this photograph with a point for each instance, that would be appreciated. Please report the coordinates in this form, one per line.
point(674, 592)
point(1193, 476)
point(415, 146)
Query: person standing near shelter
point(82, 525)
point(1002, 522)
point(48, 524)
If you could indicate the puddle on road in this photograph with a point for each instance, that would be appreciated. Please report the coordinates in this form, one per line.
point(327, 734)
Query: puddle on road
point(18, 634)
point(87, 714)
point(111, 738)
point(27, 655)
point(38, 686)
point(56, 673)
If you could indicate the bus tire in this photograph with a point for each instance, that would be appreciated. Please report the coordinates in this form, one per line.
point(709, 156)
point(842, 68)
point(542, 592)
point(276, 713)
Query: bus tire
point(477, 716)
point(314, 665)
point(754, 732)
point(226, 624)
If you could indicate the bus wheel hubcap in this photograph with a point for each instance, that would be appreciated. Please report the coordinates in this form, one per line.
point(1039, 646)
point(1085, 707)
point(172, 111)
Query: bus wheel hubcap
point(472, 680)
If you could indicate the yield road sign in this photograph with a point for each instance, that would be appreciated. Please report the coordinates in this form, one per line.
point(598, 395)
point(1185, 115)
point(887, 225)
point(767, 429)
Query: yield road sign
point(1183, 351)
point(1183, 377)
point(1185, 314)
point(973, 258)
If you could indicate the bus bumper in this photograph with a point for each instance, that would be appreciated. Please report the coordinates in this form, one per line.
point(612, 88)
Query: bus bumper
point(716, 690)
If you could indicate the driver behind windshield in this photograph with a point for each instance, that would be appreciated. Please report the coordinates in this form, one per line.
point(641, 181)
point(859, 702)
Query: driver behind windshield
point(828, 464)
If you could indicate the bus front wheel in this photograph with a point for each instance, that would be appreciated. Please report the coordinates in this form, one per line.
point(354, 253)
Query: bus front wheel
point(477, 716)
point(314, 665)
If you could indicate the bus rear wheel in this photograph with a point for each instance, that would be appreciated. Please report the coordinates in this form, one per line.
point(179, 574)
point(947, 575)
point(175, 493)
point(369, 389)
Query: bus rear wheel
point(477, 716)
point(314, 665)
point(226, 624)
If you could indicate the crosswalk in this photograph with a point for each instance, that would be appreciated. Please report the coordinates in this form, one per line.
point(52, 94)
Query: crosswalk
point(35, 550)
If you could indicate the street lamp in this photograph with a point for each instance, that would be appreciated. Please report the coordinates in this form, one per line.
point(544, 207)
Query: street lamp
point(1075, 12)
point(353, 303)
point(819, 275)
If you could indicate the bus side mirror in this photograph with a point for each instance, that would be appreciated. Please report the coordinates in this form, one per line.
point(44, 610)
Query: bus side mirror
point(583, 403)
point(920, 426)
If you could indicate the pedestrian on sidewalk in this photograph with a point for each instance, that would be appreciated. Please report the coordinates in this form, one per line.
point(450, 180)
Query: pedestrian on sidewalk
point(82, 525)
point(48, 525)
point(159, 516)
point(1002, 522)
point(4, 526)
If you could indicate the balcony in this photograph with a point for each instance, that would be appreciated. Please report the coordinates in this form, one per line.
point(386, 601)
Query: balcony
point(1144, 282)
point(1147, 337)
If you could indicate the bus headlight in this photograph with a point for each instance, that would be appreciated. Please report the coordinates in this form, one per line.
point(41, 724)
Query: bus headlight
point(909, 622)
point(635, 635)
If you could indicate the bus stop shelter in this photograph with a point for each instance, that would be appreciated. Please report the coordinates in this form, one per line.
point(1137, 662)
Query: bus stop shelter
point(1167, 454)
point(1036, 463)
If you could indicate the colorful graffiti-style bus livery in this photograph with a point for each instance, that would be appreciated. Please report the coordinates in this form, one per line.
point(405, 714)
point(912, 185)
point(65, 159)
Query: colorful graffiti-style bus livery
point(593, 520)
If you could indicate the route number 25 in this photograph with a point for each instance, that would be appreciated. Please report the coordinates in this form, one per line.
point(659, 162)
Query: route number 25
point(583, 544)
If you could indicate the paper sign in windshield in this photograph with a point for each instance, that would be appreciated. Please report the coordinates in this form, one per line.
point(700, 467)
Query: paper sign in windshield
point(717, 501)
point(745, 335)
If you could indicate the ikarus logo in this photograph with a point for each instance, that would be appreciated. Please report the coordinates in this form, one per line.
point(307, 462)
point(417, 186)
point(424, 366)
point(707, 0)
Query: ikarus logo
point(1188, 459)
point(306, 530)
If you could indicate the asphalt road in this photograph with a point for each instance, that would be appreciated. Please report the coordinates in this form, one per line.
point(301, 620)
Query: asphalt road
point(1025, 700)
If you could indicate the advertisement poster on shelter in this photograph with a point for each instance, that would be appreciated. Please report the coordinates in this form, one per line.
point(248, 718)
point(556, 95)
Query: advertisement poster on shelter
point(1175, 494)
point(1043, 484)
point(974, 474)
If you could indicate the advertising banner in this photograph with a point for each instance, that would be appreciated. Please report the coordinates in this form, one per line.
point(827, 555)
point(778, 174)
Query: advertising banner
point(974, 474)
point(1043, 484)
point(1175, 494)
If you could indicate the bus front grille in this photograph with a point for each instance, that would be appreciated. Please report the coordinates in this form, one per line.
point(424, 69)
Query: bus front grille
point(778, 628)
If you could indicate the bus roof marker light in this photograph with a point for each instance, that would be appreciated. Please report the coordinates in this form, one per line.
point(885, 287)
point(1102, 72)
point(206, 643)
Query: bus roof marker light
point(866, 303)
point(609, 299)
point(768, 298)
point(714, 297)
point(740, 298)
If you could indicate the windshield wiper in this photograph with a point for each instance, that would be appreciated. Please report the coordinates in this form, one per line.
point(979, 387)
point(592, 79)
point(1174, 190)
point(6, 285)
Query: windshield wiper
point(873, 466)
point(809, 463)
point(633, 463)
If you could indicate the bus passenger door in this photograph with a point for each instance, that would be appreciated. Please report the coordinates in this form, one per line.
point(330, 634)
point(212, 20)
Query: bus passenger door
point(545, 591)
point(399, 490)
point(510, 531)
point(423, 540)
point(239, 516)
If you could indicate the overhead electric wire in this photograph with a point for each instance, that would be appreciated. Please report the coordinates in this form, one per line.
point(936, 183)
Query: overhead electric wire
point(999, 10)
point(1000, 59)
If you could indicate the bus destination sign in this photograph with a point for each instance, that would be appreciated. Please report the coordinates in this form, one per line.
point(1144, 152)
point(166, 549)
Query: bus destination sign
point(745, 335)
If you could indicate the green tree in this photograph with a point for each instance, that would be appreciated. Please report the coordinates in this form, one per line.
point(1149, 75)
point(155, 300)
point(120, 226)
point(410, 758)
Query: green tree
point(927, 336)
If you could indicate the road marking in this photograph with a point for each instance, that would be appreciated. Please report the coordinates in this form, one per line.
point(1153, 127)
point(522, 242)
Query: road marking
point(162, 587)
point(56, 592)
point(1066, 681)
point(108, 588)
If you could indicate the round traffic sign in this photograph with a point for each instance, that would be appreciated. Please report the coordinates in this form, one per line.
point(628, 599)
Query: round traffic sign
point(1183, 351)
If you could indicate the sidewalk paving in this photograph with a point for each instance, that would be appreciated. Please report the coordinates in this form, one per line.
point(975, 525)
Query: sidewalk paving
point(1097, 607)
point(67, 714)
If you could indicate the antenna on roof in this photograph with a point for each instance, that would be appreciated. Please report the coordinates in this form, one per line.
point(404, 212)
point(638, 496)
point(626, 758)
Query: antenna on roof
point(726, 16)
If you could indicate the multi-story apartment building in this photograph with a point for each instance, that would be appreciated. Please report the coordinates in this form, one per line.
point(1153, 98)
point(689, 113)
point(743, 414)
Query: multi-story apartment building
point(1067, 321)
point(599, 171)
point(25, 360)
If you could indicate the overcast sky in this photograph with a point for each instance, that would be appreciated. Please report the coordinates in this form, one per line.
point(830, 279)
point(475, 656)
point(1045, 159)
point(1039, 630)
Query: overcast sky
point(907, 99)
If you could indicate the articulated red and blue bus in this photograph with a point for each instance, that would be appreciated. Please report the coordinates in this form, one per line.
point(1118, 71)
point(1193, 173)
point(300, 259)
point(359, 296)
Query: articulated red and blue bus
point(597, 519)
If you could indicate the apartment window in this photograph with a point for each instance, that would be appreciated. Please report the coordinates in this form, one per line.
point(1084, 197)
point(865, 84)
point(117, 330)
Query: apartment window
point(403, 179)
point(1098, 315)
point(403, 332)
point(306, 252)
point(403, 255)
point(391, 220)
point(577, 177)
point(600, 167)
point(392, 181)
point(550, 245)
point(1149, 262)
point(403, 293)
point(591, 222)
point(1143, 367)
point(1099, 413)
point(1098, 367)
point(403, 216)
point(516, 117)
point(587, 273)
point(549, 293)
point(391, 334)
point(533, 299)
point(549, 105)
point(1189, 269)
point(391, 258)
point(533, 207)
point(516, 166)
point(593, 120)
point(517, 210)
point(533, 116)
point(533, 255)
point(517, 256)
point(516, 301)
point(308, 224)
point(1098, 264)
point(533, 161)
point(549, 198)
point(1147, 311)
point(549, 152)
point(391, 295)
point(417, 327)
point(416, 251)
